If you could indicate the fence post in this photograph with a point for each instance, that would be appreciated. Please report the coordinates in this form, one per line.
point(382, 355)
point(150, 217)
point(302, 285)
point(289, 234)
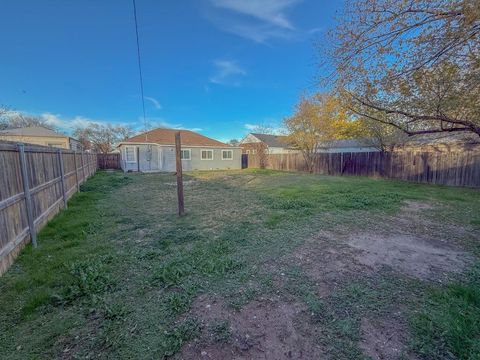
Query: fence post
point(26, 191)
point(76, 169)
point(62, 178)
point(83, 167)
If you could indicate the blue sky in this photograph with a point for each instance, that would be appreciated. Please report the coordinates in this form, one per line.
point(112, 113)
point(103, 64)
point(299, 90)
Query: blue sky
point(215, 66)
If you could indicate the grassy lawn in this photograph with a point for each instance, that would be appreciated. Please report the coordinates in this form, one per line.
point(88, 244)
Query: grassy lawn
point(264, 265)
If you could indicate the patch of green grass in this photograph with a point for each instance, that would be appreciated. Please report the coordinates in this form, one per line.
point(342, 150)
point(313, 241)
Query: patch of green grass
point(68, 265)
point(220, 331)
point(209, 258)
point(449, 321)
point(173, 339)
point(178, 302)
point(89, 277)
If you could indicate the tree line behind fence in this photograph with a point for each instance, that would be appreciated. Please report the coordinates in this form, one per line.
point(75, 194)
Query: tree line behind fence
point(461, 168)
point(35, 183)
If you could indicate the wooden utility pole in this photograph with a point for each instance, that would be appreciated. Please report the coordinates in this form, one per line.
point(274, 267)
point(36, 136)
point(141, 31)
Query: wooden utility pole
point(178, 153)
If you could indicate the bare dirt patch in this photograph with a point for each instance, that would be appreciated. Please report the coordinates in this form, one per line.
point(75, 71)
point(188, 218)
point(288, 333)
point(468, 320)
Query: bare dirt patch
point(185, 183)
point(409, 254)
point(415, 206)
point(410, 242)
point(327, 261)
point(263, 329)
point(384, 339)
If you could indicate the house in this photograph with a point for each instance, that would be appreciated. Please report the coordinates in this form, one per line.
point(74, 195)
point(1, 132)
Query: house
point(40, 135)
point(154, 150)
point(345, 145)
point(441, 142)
point(271, 144)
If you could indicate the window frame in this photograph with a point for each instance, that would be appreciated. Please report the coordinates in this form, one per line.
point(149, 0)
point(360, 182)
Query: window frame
point(189, 154)
point(134, 154)
point(201, 154)
point(227, 150)
point(56, 145)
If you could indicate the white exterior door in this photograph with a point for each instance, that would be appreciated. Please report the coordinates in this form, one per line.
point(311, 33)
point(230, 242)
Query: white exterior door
point(160, 158)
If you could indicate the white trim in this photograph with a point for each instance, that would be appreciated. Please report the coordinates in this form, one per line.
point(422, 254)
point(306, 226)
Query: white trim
point(229, 158)
point(134, 154)
point(201, 157)
point(189, 154)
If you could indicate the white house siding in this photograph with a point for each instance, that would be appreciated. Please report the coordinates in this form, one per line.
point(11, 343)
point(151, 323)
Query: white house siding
point(249, 139)
point(163, 159)
point(280, 150)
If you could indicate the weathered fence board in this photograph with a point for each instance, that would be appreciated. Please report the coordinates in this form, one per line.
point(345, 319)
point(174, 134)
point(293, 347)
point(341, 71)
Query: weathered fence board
point(108, 161)
point(443, 168)
point(52, 177)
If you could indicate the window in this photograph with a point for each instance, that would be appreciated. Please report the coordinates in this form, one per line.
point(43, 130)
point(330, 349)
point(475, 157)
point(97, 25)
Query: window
point(254, 151)
point(130, 154)
point(55, 145)
point(207, 155)
point(227, 154)
point(185, 154)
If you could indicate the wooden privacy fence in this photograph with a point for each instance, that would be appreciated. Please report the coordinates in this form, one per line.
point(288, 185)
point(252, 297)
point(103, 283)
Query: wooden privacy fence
point(444, 168)
point(108, 161)
point(35, 183)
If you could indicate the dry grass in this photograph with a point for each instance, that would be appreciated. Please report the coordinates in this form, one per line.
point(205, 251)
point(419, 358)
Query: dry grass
point(119, 275)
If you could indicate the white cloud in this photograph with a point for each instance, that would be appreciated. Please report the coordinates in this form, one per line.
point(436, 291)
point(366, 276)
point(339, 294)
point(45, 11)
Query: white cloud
point(271, 11)
point(68, 123)
point(163, 123)
point(255, 20)
point(227, 72)
point(272, 127)
point(251, 126)
point(155, 102)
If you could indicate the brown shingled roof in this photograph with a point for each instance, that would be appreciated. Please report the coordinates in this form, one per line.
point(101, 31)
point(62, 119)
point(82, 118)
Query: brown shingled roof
point(167, 137)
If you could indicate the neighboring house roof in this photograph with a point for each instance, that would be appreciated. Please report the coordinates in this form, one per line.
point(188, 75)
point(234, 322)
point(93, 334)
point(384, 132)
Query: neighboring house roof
point(343, 143)
point(272, 140)
point(167, 137)
point(31, 131)
point(463, 137)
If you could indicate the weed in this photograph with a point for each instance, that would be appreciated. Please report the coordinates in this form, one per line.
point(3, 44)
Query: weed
point(115, 311)
point(89, 277)
point(173, 340)
point(177, 302)
point(220, 331)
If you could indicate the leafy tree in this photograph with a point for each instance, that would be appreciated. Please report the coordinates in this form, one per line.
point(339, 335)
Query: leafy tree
point(376, 134)
point(411, 64)
point(317, 118)
point(102, 138)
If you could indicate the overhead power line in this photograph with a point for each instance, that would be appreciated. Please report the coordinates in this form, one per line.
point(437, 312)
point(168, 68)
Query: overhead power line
point(140, 69)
